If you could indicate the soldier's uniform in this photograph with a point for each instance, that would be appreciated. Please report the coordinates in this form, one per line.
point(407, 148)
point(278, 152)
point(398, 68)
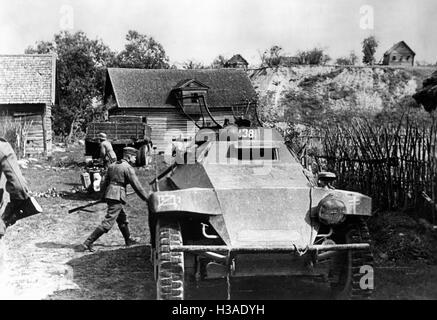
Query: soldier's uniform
point(21, 204)
point(107, 153)
point(118, 176)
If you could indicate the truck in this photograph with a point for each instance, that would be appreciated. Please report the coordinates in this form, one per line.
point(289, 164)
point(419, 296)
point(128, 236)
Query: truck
point(121, 131)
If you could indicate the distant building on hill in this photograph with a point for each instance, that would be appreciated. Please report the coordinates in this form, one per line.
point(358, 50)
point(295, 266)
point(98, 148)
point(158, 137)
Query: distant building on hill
point(237, 61)
point(399, 55)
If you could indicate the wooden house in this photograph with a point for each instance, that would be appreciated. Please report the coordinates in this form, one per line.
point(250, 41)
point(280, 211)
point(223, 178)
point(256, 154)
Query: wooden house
point(27, 95)
point(237, 61)
point(399, 55)
point(168, 99)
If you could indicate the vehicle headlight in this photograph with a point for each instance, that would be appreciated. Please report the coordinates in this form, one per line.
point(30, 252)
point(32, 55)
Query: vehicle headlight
point(331, 211)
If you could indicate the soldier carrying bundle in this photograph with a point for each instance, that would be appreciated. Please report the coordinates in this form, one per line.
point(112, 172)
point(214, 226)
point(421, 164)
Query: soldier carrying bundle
point(21, 204)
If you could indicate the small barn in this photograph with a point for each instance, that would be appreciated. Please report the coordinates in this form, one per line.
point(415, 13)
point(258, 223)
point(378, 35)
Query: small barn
point(399, 55)
point(237, 61)
point(168, 99)
point(27, 95)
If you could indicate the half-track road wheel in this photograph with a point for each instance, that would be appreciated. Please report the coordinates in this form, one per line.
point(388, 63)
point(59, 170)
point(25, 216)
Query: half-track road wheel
point(346, 268)
point(169, 266)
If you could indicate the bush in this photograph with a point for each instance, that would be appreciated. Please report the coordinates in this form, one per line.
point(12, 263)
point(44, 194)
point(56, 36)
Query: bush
point(315, 56)
point(347, 61)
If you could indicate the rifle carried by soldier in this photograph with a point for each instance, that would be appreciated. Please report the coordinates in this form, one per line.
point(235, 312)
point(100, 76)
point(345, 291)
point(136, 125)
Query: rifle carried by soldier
point(91, 204)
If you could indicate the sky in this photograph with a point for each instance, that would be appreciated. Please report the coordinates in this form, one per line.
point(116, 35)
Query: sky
point(200, 30)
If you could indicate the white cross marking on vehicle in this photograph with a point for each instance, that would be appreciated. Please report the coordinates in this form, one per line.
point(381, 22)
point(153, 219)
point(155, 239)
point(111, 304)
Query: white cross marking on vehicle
point(168, 200)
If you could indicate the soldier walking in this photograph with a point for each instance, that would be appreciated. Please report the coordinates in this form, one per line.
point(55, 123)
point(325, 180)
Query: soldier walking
point(21, 204)
point(107, 153)
point(118, 176)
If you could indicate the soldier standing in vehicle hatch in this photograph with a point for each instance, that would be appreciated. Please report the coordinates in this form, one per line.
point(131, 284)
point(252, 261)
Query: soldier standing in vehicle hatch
point(107, 153)
point(118, 176)
point(21, 204)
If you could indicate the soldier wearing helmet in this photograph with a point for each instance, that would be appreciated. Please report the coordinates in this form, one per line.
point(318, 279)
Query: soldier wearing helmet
point(118, 176)
point(21, 204)
point(107, 154)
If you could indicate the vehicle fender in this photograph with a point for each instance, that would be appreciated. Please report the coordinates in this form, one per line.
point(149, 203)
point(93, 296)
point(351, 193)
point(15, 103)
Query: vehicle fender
point(189, 201)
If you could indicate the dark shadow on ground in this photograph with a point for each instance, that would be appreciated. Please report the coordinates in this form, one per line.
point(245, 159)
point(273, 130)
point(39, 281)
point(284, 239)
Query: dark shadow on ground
point(120, 274)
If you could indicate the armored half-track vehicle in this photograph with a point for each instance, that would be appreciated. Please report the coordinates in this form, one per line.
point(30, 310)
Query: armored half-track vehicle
point(237, 203)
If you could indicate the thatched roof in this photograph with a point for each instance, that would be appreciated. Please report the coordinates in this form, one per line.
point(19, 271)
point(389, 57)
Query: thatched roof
point(396, 46)
point(27, 79)
point(139, 88)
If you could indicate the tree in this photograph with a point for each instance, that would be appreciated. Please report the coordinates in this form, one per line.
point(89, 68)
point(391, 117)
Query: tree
point(142, 51)
point(353, 58)
point(271, 57)
point(315, 56)
point(343, 61)
point(192, 64)
point(219, 62)
point(347, 61)
point(369, 48)
point(325, 59)
point(41, 47)
point(81, 65)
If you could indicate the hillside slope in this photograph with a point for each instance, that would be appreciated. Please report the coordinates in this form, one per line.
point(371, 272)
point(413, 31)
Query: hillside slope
point(306, 93)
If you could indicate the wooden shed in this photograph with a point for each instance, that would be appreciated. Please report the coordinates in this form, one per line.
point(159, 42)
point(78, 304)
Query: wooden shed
point(27, 95)
point(154, 95)
point(399, 55)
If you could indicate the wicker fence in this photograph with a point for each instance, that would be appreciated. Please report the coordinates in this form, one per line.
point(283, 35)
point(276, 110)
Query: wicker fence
point(394, 163)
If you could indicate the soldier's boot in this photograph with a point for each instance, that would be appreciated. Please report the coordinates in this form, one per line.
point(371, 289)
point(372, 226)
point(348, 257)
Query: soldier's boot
point(88, 244)
point(126, 235)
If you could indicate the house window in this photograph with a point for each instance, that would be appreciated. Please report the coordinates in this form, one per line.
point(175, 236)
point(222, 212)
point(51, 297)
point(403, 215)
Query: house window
point(394, 58)
point(408, 58)
point(194, 97)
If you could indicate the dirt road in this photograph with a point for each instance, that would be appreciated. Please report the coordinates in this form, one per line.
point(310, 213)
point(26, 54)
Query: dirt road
point(41, 261)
